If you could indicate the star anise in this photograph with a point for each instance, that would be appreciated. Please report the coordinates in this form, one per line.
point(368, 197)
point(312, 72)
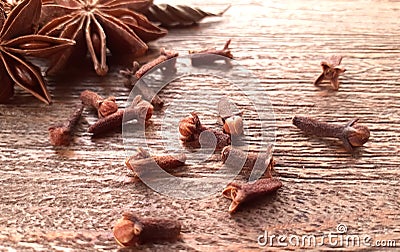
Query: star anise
point(9, 5)
point(98, 25)
point(16, 41)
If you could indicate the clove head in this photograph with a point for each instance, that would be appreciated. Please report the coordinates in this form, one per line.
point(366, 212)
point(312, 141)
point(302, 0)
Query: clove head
point(107, 107)
point(357, 134)
point(126, 231)
point(233, 125)
point(189, 127)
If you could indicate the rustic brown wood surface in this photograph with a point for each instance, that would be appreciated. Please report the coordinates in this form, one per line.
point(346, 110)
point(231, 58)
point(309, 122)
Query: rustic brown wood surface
point(70, 197)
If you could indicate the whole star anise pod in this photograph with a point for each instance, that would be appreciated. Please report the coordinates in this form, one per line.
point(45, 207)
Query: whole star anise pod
point(16, 41)
point(98, 25)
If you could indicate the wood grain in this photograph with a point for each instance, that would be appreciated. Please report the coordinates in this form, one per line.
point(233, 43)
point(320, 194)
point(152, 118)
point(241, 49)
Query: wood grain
point(59, 198)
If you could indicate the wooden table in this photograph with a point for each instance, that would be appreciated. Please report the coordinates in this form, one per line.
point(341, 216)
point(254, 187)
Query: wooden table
point(60, 198)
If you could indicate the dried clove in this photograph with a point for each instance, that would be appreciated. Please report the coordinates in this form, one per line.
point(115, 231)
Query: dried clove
point(198, 58)
point(331, 71)
point(165, 55)
point(132, 230)
point(352, 134)
point(61, 134)
point(140, 110)
point(195, 134)
point(103, 106)
point(134, 74)
point(244, 192)
point(231, 120)
point(142, 163)
point(256, 162)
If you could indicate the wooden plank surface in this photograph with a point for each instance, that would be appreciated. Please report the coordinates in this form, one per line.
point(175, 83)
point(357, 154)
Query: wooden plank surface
point(60, 198)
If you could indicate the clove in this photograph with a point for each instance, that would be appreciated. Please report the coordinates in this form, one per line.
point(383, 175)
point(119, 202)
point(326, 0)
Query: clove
point(142, 164)
point(244, 192)
point(134, 74)
point(140, 110)
point(61, 134)
point(352, 134)
point(331, 71)
point(199, 59)
point(256, 162)
point(231, 120)
point(132, 230)
point(195, 134)
point(103, 106)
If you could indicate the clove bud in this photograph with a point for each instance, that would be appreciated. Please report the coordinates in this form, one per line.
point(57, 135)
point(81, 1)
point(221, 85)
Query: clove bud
point(103, 106)
point(195, 134)
point(61, 134)
point(198, 58)
point(139, 109)
point(256, 162)
point(142, 164)
point(244, 192)
point(352, 134)
point(132, 230)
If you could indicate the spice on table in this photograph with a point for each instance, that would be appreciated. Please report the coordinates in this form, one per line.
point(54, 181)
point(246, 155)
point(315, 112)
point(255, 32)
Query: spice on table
point(255, 162)
point(142, 163)
point(244, 192)
point(61, 134)
point(134, 74)
point(131, 230)
point(197, 56)
point(195, 134)
point(331, 71)
point(98, 26)
point(19, 41)
point(103, 106)
point(352, 134)
point(231, 120)
point(140, 110)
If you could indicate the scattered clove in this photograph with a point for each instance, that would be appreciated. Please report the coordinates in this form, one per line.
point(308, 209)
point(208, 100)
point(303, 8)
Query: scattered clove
point(142, 164)
point(331, 71)
point(140, 110)
point(103, 106)
point(352, 134)
point(132, 230)
point(198, 58)
point(61, 134)
point(231, 120)
point(134, 74)
point(244, 192)
point(195, 134)
point(255, 162)
point(165, 55)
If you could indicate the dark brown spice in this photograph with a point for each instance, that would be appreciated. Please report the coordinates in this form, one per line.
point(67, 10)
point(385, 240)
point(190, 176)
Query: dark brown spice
point(352, 134)
point(140, 110)
point(331, 71)
point(191, 128)
point(103, 106)
point(261, 162)
point(244, 192)
point(61, 134)
point(142, 163)
point(132, 230)
point(165, 55)
point(197, 56)
point(134, 74)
